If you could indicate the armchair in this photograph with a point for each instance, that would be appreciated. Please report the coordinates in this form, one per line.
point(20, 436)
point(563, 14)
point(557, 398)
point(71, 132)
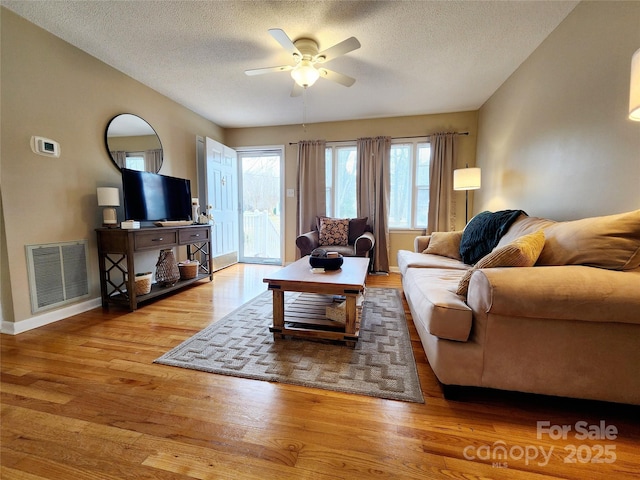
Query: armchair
point(359, 239)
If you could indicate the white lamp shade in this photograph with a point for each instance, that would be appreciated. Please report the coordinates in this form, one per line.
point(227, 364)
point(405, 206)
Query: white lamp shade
point(634, 88)
point(305, 74)
point(466, 179)
point(108, 197)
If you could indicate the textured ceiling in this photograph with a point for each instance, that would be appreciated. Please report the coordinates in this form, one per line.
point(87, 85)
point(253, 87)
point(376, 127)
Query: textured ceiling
point(417, 57)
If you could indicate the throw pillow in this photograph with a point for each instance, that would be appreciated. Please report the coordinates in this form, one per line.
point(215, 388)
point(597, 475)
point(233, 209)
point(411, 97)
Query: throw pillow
point(522, 252)
point(334, 231)
point(445, 244)
point(524, 225)
point(611, 241)
point(357, 226)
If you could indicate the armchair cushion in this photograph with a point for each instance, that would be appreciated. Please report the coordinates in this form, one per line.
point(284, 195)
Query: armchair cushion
point(357, 226)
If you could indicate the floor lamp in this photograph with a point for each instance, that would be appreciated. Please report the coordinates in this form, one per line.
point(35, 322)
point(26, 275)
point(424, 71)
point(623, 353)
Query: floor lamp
point(466, 179)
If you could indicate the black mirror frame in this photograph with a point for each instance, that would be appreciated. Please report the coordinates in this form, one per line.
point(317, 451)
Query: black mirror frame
point(106, 139)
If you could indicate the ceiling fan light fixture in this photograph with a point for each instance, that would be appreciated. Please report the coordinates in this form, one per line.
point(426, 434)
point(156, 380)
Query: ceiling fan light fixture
point(305, 74)
point(306, 58)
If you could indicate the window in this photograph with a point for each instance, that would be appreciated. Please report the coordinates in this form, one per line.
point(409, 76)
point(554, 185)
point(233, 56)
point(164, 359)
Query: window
point(408, 180)
point(135, 161)
point(341, 163)
point(409, 184)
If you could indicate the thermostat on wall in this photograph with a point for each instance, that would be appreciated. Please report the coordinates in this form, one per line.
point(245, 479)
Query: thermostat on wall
point(45, 146)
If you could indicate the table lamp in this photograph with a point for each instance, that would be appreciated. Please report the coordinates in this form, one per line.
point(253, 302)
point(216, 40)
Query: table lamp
point(109, 197)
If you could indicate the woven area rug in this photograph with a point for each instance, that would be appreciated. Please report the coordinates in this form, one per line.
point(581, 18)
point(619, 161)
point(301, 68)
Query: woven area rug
point(240, 344)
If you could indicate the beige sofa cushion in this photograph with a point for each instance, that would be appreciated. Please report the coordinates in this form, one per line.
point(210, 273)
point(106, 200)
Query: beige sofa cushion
point(431, 291)
point(523, 226)
point(611, 242)
point(571, 292)
point(446, 244)
point(407, 259)
point(522, 252)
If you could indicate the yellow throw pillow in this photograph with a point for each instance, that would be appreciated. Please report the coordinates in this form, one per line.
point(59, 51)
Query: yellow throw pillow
point(522, 252)
point(446, 244)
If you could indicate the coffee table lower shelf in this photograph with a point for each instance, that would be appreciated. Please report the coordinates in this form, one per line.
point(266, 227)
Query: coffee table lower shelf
point(306, 317)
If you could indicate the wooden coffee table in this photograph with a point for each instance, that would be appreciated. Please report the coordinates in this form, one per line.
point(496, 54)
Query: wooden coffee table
point(310, 320)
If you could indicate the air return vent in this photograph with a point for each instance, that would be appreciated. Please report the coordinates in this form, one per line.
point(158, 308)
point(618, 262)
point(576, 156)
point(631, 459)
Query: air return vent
point(57, 274)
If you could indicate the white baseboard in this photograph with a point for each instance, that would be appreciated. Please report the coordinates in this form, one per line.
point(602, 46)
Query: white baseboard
point(14, 328)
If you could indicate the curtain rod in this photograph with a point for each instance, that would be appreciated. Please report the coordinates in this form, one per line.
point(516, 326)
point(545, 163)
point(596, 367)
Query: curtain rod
point(392, 138)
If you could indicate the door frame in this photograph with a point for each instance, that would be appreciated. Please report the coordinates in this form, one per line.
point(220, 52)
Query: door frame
point(253, 149)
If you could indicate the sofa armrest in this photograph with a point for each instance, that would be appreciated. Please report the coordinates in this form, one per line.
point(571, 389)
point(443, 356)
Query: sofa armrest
point(307, 242)
point(569, 292)
point(364, 243)
point(420, 243)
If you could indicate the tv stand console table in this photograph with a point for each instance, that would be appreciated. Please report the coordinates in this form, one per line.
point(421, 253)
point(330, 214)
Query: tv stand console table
point(116, 252)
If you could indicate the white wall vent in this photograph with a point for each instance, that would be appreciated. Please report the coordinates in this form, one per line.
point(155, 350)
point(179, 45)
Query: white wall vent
point(57, 274)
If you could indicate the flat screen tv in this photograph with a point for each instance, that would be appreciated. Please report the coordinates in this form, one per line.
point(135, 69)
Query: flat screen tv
point(151, 197)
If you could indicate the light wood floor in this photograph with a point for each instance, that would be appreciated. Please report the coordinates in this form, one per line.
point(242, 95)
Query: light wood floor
point(81, 399)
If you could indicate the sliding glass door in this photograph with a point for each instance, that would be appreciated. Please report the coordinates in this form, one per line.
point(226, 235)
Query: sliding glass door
point(261, 222)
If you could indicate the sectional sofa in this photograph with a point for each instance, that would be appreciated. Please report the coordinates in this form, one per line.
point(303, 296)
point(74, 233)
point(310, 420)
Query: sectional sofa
point(550, 307)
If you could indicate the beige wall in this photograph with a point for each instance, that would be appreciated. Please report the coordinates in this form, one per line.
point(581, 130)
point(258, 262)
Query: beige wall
point(336, 131)
point(555, 139)
point(52, 89)
point(134, 143)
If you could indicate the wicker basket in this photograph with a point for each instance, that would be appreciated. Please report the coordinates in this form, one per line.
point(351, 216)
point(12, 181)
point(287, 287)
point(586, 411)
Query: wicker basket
point(143, 283)
point(167, 273)
point(188, 270)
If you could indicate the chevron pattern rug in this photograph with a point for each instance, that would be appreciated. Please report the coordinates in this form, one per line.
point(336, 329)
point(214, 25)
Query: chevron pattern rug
point(240, 344)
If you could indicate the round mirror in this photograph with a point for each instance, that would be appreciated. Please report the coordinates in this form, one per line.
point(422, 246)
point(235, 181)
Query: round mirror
point(133, 143)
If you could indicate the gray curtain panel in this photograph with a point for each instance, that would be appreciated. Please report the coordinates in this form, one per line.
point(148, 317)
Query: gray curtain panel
point(153, 160)
point(441, 216)
point(373, 193)
point(119, 157)
point(311, 184)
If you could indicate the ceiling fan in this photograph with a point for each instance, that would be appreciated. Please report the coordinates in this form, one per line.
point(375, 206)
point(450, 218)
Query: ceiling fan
point(308, 61)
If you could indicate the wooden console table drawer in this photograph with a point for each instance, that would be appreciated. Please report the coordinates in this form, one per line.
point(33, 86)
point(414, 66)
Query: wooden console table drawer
point(192, 235)
point(152, 240)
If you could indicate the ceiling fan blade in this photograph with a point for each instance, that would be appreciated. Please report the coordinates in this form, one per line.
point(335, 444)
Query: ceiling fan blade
point(297, 90)
point(284, 40)
point(338, 49)
point(337, 77)
point(260, 71)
